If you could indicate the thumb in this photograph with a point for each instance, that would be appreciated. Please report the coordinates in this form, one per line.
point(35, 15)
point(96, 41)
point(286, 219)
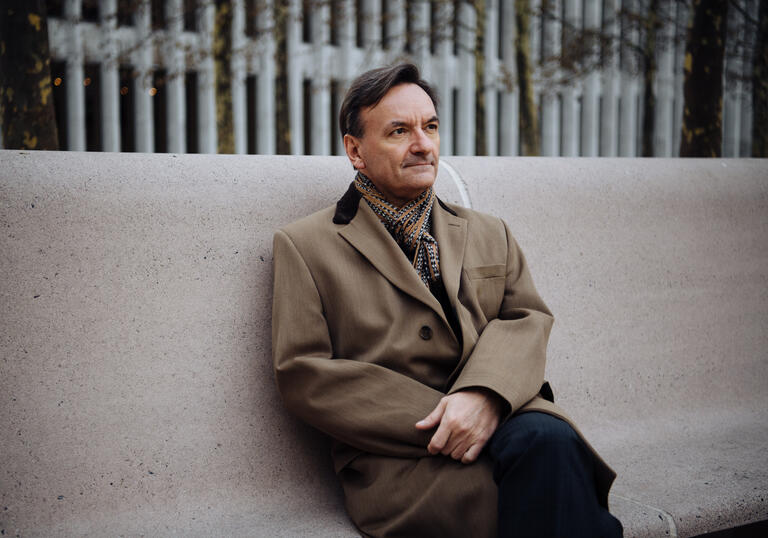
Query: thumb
point(434, 418)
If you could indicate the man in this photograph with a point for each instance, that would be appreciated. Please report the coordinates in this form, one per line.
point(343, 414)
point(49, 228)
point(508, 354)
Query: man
point(409, 330)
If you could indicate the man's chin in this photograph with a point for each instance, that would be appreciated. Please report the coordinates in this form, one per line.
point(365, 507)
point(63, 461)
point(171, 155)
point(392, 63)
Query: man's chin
point(422, 174)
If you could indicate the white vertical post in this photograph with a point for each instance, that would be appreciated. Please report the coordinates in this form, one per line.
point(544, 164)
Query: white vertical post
point(295, 78)
point(550, 102)
point(420, 37)
point(745, 138)
point(590, 102)
point(444, 77)
point(509, 110)
point(550, 124)
point(465, 145)
point(570, 135)
point(628, 117)
point(732, 120)
point(206, 95)
point(491, 47)
point(609, 125)
point(397, 26)
point(375, 54)
point(665, 81)
point(75, 73)
point(266, 143)
point(345, 57)
point(367, 23)
point(239, 98)
point(346, 41)
point(321, 84)
point(177, 98)
point(145, 133)
point(346, 51)
point(629, 91)
point(110, 92)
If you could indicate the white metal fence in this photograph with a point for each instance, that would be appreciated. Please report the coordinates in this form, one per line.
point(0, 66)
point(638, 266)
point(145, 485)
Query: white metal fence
point(145, 81)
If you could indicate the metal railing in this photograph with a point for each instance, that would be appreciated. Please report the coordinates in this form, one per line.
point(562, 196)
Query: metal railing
point(149, 86)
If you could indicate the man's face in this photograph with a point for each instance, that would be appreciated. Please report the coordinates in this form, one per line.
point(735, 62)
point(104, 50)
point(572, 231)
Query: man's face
point(400, 145)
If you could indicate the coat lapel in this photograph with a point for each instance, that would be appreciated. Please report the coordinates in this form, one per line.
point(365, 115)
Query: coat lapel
point(450, 231)
point(366, 233)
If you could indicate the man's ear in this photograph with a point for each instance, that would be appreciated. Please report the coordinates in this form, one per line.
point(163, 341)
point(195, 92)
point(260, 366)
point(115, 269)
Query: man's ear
point(352, 147)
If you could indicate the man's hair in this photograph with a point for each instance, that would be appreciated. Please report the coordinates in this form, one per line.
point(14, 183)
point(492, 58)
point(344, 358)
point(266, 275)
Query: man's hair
point(371, 87)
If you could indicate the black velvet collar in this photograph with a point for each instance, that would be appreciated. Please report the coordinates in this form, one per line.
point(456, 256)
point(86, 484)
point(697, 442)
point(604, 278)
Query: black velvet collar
point(346, 207)
point(444, 206)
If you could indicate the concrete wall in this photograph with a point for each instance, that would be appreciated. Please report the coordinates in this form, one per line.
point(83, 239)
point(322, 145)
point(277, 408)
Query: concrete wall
point(136, 393)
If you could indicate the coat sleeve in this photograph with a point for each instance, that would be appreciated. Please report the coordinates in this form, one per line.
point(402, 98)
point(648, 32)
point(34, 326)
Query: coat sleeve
point(510, 353)
point(364, 405)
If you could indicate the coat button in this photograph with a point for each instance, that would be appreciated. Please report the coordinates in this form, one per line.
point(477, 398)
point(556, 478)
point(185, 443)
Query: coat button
point(425, 332)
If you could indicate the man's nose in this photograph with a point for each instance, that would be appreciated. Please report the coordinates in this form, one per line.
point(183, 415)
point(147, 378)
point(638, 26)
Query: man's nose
point(421, 142)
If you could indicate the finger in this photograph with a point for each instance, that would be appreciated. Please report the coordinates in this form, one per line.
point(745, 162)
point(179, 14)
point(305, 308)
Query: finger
point(472, 454)
point(439, 440)
point(432, 419)
point(457, 443)
point(459, 450)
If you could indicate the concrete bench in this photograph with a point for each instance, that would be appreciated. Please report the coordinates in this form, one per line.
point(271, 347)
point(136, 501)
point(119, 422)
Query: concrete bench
point(136, 392)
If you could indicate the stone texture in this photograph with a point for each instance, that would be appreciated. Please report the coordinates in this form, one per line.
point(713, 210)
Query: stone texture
point(657, 273)
point(136, 393)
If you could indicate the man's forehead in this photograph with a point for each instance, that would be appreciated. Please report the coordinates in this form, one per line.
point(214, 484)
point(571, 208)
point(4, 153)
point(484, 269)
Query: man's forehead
point(401, 103)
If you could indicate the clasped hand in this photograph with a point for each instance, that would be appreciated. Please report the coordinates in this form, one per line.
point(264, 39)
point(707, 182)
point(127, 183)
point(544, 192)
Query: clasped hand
point(465, 420)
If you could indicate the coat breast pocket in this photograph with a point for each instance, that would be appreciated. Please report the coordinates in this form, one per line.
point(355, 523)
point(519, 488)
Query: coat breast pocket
point(487, 282)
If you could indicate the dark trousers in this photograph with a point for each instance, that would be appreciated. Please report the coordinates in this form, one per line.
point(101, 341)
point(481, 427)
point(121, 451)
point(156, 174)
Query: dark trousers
point(545, 475)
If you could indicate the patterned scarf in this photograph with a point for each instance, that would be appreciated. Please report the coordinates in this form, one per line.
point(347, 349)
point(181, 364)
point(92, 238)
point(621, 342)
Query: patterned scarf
point(408, 225)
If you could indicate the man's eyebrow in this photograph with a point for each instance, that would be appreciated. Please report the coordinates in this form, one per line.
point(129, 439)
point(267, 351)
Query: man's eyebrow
point(401, 123)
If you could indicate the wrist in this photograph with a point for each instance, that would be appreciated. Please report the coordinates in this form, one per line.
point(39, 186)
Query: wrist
point(497, 403)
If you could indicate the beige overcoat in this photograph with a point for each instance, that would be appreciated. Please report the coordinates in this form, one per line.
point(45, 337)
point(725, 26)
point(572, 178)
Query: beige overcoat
point(362, 350)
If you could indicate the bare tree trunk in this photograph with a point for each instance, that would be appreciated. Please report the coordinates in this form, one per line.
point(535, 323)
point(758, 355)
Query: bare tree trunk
point(703, 86)
point(529, 130)
point(282, 119)
point(760, 85)
point(481, 144)
point(27, 117)
point(649, 77)
point(222, 59)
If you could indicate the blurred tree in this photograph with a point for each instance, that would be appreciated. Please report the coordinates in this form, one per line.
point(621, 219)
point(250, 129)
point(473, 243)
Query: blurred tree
point(760, 85)
point(703, 86)
point(27, 116)
point(528, 129)
point(481, 144)
point(630, 37)
point(648, 20)
point(282, 120)
point(222, 61)
point(652, 25)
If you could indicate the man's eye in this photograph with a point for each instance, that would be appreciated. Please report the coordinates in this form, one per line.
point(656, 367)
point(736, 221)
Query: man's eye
point(432, 127)
point(399, 131)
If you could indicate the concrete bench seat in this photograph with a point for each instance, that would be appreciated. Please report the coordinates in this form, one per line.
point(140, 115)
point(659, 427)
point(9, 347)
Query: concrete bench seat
point(136, 392)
